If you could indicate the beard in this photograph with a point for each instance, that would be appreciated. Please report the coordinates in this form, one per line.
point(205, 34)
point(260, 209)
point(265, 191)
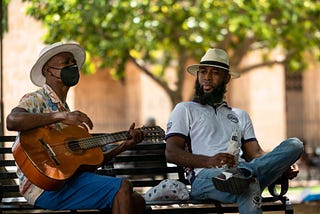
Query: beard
point(211, 98)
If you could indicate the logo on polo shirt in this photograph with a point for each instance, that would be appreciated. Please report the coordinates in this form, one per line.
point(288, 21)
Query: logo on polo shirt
point(233, 118)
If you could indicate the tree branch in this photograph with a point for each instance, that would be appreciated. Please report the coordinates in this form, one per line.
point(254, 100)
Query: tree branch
point(163, 84)
point(242, 50)
point(258, 65)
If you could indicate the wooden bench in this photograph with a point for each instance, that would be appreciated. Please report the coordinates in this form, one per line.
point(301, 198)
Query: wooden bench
point(145, 166)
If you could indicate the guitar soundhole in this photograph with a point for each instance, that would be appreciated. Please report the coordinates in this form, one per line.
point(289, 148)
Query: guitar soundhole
point(74, 146)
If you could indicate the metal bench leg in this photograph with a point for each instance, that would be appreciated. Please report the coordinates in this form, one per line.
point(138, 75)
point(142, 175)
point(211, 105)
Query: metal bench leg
point(218, 207)
point(288, 206)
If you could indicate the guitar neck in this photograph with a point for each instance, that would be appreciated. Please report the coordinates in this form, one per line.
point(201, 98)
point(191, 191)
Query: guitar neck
point(153, 133)
point(103, 139)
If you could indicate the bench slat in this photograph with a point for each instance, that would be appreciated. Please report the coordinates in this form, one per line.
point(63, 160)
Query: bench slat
point(8, 175)
point(10, 188)
point(141, 171)
point(7, 138)
point(4, 163)
point(142, 158)
point(5, 150)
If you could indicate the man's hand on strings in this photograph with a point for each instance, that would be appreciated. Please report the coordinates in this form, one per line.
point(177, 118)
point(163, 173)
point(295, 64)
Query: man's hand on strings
point(137, 135)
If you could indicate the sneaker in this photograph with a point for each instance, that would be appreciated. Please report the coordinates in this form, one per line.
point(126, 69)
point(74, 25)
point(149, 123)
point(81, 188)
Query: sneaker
point(232, 181)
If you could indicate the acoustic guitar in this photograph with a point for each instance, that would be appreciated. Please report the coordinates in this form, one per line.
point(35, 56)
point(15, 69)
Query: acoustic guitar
point(48, 157)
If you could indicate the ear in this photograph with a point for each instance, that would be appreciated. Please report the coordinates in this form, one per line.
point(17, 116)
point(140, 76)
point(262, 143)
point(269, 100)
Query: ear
point(44, 70)
point(227, 78)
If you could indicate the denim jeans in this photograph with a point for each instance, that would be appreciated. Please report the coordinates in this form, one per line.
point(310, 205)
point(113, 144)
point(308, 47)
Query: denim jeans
point(267, 169)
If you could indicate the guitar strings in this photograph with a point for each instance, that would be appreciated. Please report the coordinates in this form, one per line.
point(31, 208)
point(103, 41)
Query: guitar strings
point(152, 133)
point(86, 143)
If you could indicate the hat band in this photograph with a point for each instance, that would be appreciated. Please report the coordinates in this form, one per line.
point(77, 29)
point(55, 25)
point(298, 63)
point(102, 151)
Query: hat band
point(215, 63)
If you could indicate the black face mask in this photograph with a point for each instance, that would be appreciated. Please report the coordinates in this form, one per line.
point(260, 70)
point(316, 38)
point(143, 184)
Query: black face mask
point(70, 75)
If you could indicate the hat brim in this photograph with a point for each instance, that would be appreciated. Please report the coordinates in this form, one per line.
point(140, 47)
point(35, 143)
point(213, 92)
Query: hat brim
point(77, 51)
point(193, 69)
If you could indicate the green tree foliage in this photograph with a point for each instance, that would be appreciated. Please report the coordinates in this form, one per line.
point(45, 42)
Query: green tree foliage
point(160, 34)
point(4, 16)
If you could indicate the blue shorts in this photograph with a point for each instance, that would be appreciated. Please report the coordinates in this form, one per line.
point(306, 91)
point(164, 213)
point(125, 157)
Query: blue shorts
point(85, 190)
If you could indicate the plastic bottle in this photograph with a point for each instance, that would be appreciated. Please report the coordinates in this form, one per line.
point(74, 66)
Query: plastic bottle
point(234, 147)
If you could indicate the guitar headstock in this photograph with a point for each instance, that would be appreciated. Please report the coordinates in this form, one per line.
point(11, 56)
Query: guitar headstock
point(153, 133)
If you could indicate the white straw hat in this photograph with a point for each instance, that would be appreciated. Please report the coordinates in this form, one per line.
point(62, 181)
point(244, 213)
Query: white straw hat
point(216, 58)
point(48, 52)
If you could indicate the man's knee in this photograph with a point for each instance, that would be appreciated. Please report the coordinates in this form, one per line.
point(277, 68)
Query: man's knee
point(296, 145)
point(126, 187)
point(125, 192)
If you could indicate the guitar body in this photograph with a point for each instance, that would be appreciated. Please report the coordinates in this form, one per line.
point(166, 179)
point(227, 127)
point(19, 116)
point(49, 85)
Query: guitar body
point(49, 157)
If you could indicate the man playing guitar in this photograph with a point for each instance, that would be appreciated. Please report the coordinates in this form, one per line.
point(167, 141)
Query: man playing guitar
point(55, 71)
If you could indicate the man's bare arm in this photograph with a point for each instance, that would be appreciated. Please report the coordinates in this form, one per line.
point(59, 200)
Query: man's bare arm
point(176, 154)
point(252, 150)
point(20, 120)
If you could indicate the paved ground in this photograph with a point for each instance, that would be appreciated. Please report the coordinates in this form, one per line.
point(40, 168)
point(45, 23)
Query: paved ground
point(308, 208)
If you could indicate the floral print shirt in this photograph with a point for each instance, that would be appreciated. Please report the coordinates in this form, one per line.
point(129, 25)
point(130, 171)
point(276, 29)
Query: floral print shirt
point(44, 100)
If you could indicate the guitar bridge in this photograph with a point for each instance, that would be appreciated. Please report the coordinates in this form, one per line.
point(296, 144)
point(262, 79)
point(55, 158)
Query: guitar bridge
point(50, 151)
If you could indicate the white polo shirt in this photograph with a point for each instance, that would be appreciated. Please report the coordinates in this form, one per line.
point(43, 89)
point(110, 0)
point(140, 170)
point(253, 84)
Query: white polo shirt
point(208, 130)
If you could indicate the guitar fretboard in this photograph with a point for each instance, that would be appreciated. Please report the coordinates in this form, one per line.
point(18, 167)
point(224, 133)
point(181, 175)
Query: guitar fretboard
point(103, 139)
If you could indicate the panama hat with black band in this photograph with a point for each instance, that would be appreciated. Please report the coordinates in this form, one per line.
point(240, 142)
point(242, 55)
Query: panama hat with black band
point(50, 51)
point(216, 58)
